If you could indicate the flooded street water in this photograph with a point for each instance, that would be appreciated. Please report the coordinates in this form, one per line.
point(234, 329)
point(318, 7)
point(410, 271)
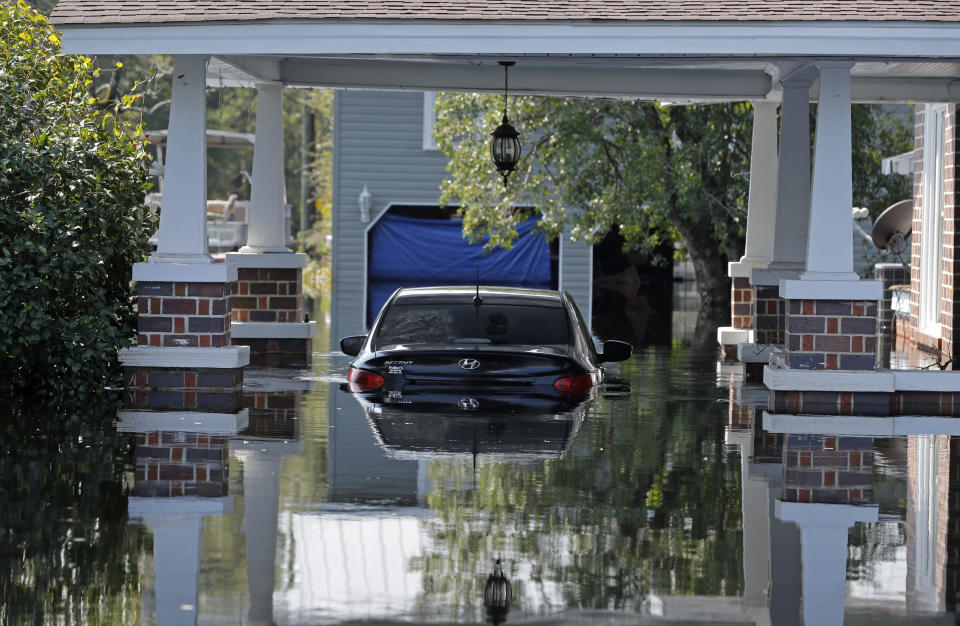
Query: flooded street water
point(661, 498)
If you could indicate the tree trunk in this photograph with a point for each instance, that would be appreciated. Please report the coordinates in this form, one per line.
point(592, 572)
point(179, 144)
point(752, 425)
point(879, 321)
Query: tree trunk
point(710, 267)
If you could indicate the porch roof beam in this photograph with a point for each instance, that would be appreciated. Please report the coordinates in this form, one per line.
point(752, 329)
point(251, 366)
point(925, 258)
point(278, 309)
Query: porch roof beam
point(680, 84)
point(654, 83)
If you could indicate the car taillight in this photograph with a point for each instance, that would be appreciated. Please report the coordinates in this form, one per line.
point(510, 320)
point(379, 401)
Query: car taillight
point(362, 380)
point(578, 385)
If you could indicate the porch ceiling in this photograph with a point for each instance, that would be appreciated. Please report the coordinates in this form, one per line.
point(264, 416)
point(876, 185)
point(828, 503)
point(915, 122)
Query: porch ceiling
point(681, 51)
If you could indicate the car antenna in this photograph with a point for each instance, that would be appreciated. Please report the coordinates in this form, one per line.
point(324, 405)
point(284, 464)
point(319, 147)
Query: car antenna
point(477, 300)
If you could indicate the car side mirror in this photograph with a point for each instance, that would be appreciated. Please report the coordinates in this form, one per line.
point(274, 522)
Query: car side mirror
point(614, 350)
point(352, 345)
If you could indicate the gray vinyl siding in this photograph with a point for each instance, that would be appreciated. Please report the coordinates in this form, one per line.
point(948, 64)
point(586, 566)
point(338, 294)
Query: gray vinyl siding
point(576, 274)
point(378, 142)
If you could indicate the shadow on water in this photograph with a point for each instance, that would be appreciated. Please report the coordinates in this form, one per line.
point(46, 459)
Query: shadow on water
point(65, 547)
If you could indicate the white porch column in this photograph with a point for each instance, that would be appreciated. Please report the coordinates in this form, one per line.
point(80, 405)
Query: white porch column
point(762, 203)
point(265, 222)
point(823, 550)
point(828, 265)
point(182, 237)
point(793, 184)
point(830, 239)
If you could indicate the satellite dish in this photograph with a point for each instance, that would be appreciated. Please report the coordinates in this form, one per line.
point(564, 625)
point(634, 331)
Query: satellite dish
point(893, 226)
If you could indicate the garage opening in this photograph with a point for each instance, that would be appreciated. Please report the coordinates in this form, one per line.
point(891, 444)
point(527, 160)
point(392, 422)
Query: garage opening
point(423, 246)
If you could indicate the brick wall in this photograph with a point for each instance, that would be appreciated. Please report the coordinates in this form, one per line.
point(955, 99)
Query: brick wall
point(922, 348)
point(770, 316)
point(183, 314)
point(831, 334)
point(172, 463)
point(828, 469)
point(267, 295)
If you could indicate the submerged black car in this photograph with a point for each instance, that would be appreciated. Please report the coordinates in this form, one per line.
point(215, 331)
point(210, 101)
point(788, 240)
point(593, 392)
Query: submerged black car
point(515, 340)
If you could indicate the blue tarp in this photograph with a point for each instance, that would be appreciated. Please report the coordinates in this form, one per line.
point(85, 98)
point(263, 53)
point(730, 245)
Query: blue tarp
point(412, 252)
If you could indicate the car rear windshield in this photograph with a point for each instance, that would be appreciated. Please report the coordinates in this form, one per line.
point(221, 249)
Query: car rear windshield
point(434, 323)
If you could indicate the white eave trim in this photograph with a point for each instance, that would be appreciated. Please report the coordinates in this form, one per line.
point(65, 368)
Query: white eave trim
point(497, 38)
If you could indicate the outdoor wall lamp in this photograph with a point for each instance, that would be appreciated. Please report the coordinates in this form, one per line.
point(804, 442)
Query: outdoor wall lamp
point(505, 146)
point(366, 203)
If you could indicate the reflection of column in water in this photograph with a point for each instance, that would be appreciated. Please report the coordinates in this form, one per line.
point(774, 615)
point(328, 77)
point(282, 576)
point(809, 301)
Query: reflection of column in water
point(928, 484)
point(827, 487)
point(169, 466)
point(261, 484)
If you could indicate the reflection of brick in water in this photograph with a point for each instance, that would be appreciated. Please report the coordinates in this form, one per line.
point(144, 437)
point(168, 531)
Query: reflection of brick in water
point(828, 469)
point(174, 463)
point(273, 414)
point(741, 415)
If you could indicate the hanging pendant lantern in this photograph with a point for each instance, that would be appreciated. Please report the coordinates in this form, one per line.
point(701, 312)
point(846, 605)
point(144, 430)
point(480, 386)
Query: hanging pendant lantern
point(505, 147)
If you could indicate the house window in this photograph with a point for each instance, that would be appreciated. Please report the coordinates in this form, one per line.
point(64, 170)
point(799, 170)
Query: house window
point(934, 149)
point(429, 119)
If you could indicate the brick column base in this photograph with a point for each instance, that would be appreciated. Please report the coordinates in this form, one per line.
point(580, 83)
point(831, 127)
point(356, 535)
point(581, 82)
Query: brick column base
point(267, 295)
point(182, 314)
point(831, 334)
point(267, 309)
point(193, 389)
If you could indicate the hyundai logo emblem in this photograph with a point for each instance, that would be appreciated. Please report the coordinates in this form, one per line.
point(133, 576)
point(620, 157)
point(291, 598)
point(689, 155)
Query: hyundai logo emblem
point(469, 404)
point(469, 364)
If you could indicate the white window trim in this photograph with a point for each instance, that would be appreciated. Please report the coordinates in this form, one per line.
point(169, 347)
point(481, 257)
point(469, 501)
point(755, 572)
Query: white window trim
point(429, 120)
point(931, 238)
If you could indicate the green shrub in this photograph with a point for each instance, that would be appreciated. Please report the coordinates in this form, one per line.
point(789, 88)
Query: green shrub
point(72, 219)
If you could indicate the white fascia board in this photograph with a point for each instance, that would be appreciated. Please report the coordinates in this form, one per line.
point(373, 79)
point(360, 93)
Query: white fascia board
point(756, 352)
point(184, 272)
point(783, 379)
point(185, 421)
point(267, 260)
point(230, 357)
point(730, 336)
point(927, 380)
point(819, 515)
point(505, 39)
point(273, 330)
point(861, 426)
point(183, 506)
point(802, 289)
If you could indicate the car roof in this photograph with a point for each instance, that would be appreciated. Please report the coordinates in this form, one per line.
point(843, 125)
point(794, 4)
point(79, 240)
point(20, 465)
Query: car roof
point(489, 295)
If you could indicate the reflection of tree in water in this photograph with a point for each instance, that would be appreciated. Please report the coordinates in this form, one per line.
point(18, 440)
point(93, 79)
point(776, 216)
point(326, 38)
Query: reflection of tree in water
point(65, 547)
point(647, 500)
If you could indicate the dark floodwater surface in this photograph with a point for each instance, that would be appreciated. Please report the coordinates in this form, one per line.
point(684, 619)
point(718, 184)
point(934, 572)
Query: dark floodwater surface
point(662, 497)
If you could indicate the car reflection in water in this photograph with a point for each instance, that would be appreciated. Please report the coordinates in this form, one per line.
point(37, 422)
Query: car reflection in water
point(491, 422)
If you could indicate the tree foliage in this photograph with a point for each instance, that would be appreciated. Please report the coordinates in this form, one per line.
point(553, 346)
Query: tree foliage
point(72, 222)
point(653, 173)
